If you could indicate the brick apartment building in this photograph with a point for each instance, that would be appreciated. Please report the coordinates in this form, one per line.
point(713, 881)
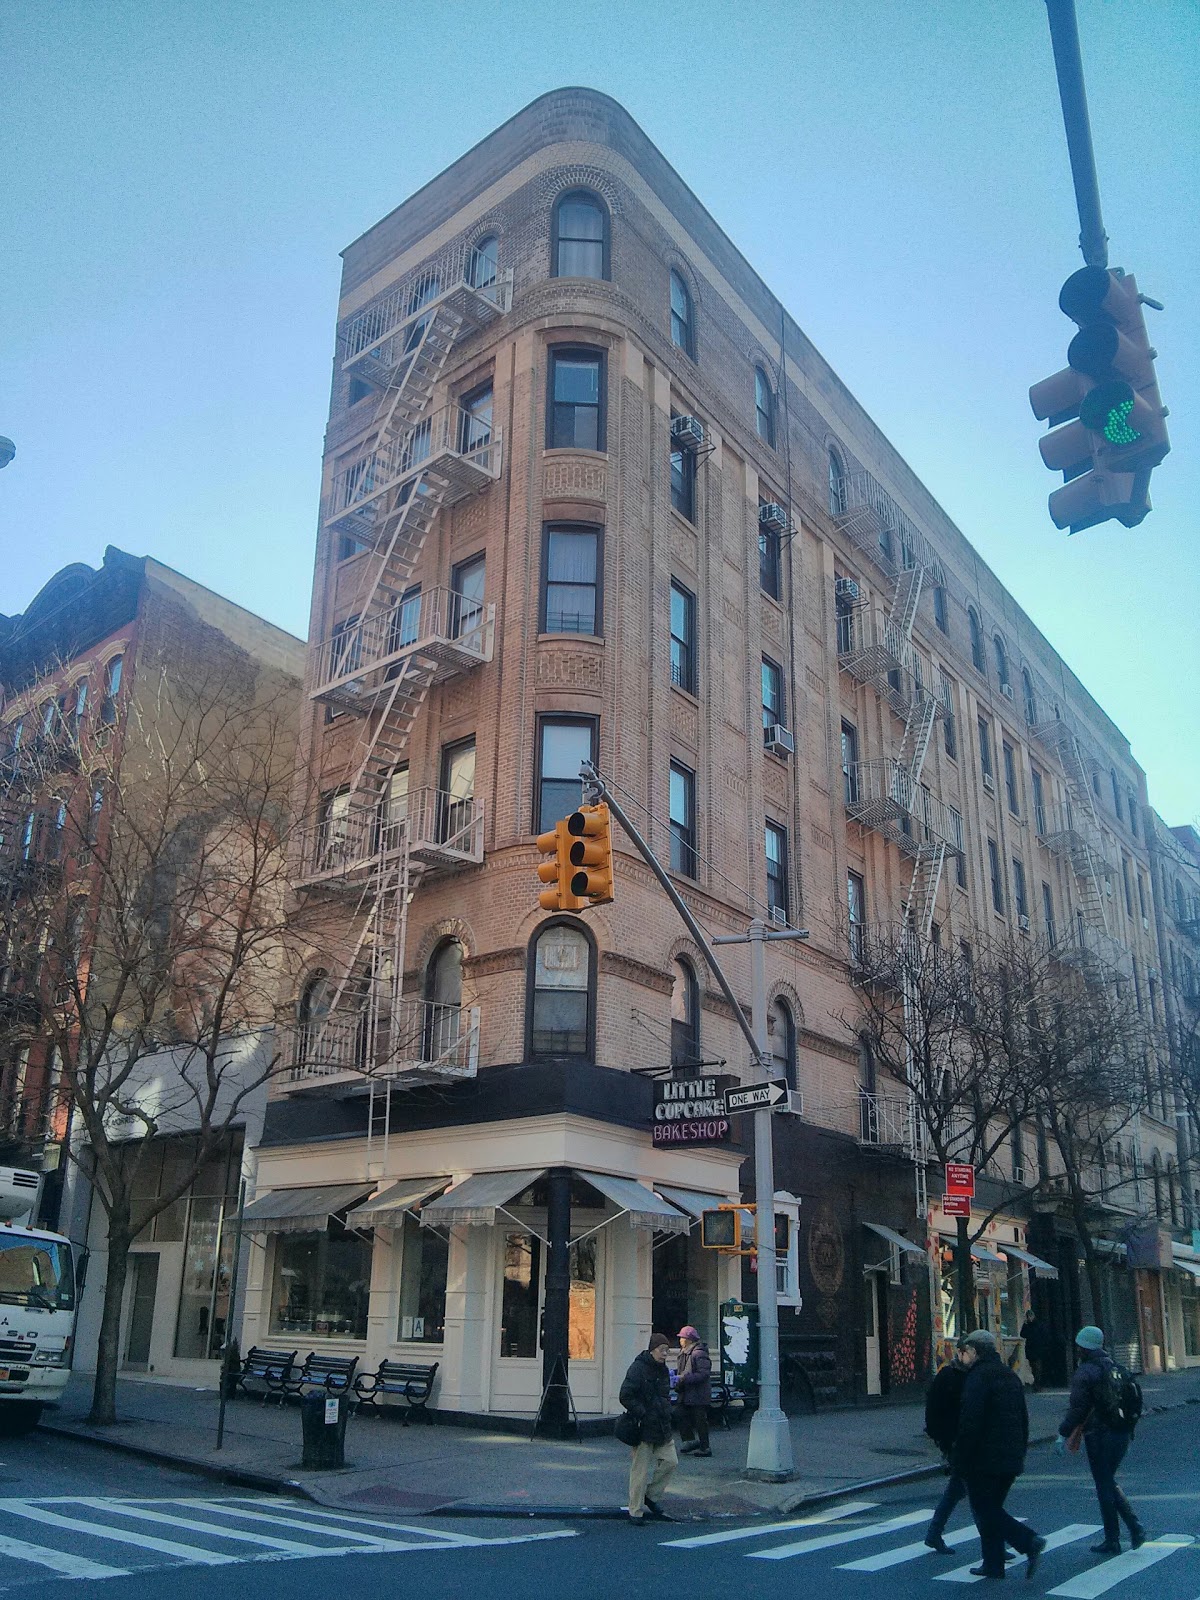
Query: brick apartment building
point(96, 654)
point(589, 492)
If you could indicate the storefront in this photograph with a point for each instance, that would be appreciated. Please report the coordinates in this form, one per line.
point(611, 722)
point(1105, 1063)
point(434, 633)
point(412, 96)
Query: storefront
point(1004, 1270)
point(1183, 1305)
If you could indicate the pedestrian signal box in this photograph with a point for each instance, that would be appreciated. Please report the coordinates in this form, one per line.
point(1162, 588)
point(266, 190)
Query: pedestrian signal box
point(721, 1230)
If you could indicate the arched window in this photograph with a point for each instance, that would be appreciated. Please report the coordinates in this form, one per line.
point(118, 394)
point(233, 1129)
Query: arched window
point(977, 657)
point(685, 1014)
point(764, 408)
point(580, 236)
point(443, 1000)
point(315, 1000)
point(483, 265)
point(112, 688)
point(781, 1041)
point(1029, 697)
point(837, 485)
point(683, 335)
point(560, 993)
point(1001, 661)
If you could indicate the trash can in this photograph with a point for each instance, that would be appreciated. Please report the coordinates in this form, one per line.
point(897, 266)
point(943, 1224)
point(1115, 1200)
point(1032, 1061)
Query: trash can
point(323, 1419)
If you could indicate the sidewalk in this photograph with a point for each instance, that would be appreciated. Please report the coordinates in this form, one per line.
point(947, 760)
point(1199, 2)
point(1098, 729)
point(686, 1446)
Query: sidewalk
point(450, 1470)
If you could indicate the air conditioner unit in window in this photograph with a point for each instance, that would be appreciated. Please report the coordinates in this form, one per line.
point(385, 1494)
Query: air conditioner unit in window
point(1018, 1175)
point(779, 741)
point(846, 588)
point(1006, 689)
point(989, 783)
point(779, 916)
point(687, 432)
point(1023, 924)
point(773, 517)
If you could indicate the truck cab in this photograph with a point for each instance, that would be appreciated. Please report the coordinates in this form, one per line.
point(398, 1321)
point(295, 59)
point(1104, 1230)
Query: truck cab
point(38, 1297)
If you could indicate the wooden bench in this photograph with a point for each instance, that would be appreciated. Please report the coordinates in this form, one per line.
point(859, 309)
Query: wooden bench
point(332, 1374)
point(411, 1380)
point(271, 1368)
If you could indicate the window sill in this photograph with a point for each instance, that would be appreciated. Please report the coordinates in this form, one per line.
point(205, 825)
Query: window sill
point(689, 695)
point(684, 522)
point(574, 450)
point(585, 638)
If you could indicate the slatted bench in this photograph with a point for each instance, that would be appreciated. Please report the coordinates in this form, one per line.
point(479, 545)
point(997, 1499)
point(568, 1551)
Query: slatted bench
point(411, 1380)
point(271, 1368)
point(331, 1374)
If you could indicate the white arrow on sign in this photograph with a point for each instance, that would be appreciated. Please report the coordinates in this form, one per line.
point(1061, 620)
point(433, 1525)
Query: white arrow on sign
point(772, 1093)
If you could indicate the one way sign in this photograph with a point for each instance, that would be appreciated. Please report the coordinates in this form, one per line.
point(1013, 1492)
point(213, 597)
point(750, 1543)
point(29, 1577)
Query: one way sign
point(773, 1093)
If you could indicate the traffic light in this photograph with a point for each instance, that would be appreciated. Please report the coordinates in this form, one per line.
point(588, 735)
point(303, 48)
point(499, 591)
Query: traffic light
point(721, 1229)
point(591, 854)
point(1107, 397)
point(557, 871)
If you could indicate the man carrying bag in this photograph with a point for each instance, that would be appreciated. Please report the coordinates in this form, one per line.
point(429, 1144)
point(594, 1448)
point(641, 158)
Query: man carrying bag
point(646, 1396)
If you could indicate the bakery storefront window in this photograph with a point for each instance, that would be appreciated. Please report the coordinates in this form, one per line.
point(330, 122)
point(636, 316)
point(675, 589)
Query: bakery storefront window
point(322, 1283)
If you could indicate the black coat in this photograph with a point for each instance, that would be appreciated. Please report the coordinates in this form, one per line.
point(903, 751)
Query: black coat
point(993, 1421)
point(646, 1394)
point(1081, 1407)
point(942, 1402)
point(1039, 1340)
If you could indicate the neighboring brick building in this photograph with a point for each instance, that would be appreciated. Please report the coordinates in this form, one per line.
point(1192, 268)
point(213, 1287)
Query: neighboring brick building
point(590, 491)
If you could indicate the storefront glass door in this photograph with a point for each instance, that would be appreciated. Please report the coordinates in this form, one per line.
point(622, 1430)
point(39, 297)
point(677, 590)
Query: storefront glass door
point(517, 1363)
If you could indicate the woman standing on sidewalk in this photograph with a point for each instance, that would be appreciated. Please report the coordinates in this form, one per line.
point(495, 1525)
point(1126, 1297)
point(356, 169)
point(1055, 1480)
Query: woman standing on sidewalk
point(695, 1393)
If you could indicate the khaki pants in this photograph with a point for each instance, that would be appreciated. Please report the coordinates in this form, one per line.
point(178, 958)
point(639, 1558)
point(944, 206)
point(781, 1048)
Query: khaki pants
point(650, 1471)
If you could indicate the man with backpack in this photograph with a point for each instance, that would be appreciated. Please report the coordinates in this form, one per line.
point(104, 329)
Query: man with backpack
point(1106, 1403)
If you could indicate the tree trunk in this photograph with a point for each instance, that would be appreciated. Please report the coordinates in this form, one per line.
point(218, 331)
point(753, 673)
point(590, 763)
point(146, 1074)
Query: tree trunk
point(104, 1390)
point(964, 1274)
point(1091, 1265)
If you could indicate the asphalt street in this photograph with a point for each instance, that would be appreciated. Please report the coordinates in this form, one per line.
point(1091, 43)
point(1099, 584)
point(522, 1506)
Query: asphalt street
point(116, 1527)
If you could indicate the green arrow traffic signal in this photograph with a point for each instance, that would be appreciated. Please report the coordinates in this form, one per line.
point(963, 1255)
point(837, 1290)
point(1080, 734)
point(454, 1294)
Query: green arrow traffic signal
point(1107, 411)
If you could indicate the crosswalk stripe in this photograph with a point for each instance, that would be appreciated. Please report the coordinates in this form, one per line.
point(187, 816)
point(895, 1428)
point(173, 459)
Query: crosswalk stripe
point(1061, 1536)
point(1115, 1570)
point(906, 1552)
point(367, 1541)
point(362, 1522)
point(58, 1560)
point(829, 1514)
point(144, 1541)
point(116, 1508)
point(876, 1530)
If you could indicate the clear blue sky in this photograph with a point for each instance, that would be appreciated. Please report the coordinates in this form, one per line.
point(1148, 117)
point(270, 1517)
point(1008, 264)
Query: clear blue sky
point(179, 176)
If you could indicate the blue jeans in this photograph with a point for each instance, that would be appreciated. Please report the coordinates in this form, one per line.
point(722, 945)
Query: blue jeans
point(1106, 1449)
point(954, 1491)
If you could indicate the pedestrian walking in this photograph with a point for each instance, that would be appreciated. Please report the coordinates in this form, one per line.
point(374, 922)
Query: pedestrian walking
point(1038, 1339)
point(694, 1391)
point(646, 1396)
point(942, 1403)
point(1105, 1402)
point(989, 1452)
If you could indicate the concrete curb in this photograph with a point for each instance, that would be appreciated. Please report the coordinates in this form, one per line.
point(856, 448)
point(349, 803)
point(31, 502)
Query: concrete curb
point(240, 1477)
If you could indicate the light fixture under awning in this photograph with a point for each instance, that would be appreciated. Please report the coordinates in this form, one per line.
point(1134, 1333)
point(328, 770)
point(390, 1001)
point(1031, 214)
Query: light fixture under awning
point(643, 1207)
point(895, 1238)
point(387, 1209)
point(476, 1199)
point(301, 1210)
point(1041, 1269)
point(689, 1200)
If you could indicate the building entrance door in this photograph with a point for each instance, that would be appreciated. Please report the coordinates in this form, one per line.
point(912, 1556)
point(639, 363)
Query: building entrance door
point(871, 1299)
point(143, 1287)
point(520, 1307)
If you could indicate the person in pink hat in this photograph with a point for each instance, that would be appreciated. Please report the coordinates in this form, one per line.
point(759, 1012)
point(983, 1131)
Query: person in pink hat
point(694, 1389)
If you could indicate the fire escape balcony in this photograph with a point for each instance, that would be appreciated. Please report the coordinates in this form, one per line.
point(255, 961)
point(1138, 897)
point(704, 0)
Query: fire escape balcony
point(884, 796)
point(870, 645)
point(886, 1122)
point(342, 849)
point(463, 282)
point(1091, 951)
point(402, 1043)
point(1073, 839)
point(450, 633)
point(875, 524)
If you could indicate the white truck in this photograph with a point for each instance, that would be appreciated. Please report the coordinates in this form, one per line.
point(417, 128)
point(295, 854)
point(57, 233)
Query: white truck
point(40, 1276)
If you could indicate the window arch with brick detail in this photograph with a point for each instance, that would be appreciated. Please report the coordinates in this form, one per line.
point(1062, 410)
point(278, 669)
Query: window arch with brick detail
point(560, 992)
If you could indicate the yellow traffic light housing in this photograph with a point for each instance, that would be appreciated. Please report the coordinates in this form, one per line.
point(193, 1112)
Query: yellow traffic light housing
point(557, 871)
point(722, 1230)
point(591, 855)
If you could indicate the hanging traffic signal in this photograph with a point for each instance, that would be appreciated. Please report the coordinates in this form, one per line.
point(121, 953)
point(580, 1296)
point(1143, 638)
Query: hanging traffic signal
point(591, 854)
point(557, 871)
point(1107, 397)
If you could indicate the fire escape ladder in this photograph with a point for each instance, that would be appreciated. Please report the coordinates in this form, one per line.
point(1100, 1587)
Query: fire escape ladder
point(918, 726)
point(922, 890)
point(905, 599)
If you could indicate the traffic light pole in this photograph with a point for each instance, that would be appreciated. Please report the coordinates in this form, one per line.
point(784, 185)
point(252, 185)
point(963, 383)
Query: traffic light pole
point(769, 1453)
point(1068, 67)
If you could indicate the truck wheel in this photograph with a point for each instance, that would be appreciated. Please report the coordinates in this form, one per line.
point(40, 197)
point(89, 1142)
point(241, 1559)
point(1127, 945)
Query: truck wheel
point(21, 1416)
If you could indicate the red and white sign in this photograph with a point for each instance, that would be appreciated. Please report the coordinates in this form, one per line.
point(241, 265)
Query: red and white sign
point(960, 1178)
point(956, 1205)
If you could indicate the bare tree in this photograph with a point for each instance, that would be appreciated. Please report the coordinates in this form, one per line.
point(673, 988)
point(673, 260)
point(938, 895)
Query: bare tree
point(149, 912)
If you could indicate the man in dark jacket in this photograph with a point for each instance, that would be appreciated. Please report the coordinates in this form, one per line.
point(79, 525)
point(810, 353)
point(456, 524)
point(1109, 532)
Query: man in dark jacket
point(942, 1403)
point(989, 1452)
point(694, 1392)
point(1106, 1444)
point(1038, 1341)
point(646, 1395)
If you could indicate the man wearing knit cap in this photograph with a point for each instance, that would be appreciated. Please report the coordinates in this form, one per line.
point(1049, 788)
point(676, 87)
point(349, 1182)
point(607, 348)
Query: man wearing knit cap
point(989, 1452)
point(1106, 1437)
point(646, 1396)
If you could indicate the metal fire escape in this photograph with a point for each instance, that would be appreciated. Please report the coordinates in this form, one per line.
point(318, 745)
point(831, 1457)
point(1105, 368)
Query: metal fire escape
point(374, 840)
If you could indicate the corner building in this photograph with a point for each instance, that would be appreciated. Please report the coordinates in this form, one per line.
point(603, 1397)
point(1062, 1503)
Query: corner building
point(589, 492)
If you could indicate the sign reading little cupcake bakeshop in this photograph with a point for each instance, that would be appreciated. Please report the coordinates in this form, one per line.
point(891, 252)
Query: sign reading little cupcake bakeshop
point(690, 1110)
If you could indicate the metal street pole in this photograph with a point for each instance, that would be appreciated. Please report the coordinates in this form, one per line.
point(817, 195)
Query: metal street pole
point(232, 1313)
point(1068, 67)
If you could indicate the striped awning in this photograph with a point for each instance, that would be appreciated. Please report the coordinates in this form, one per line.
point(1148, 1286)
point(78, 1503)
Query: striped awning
point(895, 1238)
point(387, 1208)
point(1041, 1269)
point(691, 1200)
point(642, 1206)
point(476, 1199)
point(301, 1210)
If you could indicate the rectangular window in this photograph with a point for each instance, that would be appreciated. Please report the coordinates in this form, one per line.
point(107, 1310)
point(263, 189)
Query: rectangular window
point(777, 869)
point(1125, 886)
point(571, 579)
point(575, 411)
point(995, 876)
point(683, 638)
point(467, 584)
point(950, 736)
point(985, 748)
point(393, 810)
point(856, 902)
point(423, 1284)
point(321, 1283)
point(404, 621)
point(772, 694)
point(683, 479)
point(1141, 888)
point(457, 798)
point(1020, 900)
point(1133, 814)
point(563, 743)
point(960, 859)
point(476, 419)
point(1048, 916)
point(940, 614)
point(519, 1295)
point(1011, 791)
point(1039, 800)
point(768, 558)
point(683, 820)
point(850, 762)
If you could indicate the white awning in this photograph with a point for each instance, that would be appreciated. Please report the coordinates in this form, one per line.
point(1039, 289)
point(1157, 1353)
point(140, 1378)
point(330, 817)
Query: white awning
point(1184, 1255)
point(1191, 1267)
point(387, 1209)
point(1041, 1269)
point(475, 1201)
point(642, 1206)
point(301, 1210)
point(690, 1200)
point(895, 1238)
point(982, 1253)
